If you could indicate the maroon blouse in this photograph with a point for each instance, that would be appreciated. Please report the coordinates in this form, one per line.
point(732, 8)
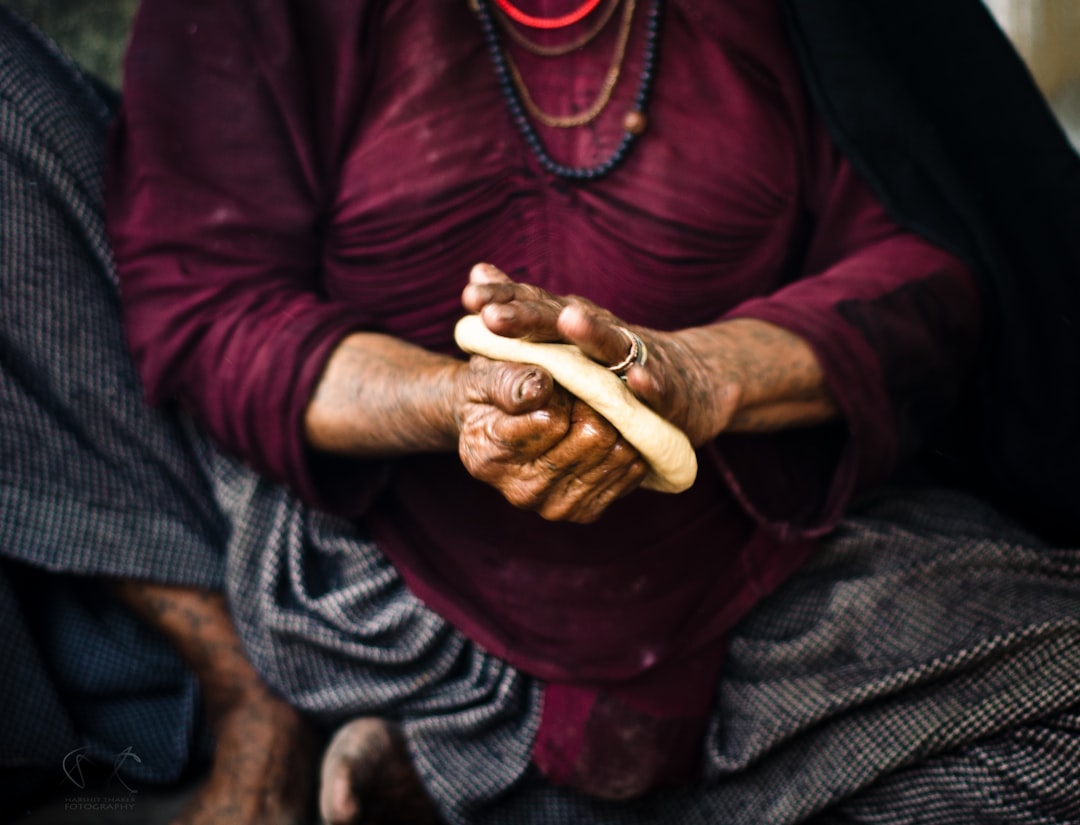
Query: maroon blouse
point(285, 173)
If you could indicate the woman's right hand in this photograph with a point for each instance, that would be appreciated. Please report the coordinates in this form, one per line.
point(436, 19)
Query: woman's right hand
point(543, 449)
point(514, 429)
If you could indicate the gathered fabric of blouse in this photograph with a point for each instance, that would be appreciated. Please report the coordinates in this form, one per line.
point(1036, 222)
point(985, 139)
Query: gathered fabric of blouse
point(285, 173)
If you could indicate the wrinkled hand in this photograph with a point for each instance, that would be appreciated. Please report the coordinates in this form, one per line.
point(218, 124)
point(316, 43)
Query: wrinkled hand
point(676, 381)
point(541, 448)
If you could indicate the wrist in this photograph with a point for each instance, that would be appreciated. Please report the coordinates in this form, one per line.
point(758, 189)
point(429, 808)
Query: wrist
point(778, 380)
point(379, 397)
point(752, 376)
point(707, 361)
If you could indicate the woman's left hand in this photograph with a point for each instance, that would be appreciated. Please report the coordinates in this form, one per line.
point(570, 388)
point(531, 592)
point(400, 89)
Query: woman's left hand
point(679, 382)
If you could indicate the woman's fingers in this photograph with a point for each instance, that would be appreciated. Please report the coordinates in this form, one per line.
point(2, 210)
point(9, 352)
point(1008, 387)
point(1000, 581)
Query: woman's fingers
point(532, 319)
point(524, 311)
point(594, 466)
point(599, 336)
point(516, 310)
point(505, 407)
point(560, 458)
point(515, 389)
point(485, 273)
point(511, 309)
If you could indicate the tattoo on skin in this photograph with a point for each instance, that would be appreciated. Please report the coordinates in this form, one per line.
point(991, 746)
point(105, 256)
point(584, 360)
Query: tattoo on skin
point(381, 397)
point(266, 752)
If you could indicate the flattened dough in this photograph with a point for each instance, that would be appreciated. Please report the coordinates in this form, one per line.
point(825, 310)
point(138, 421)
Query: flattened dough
point(663, 445)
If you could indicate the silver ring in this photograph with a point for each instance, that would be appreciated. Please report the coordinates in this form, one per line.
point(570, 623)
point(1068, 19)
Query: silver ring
point(637, 355)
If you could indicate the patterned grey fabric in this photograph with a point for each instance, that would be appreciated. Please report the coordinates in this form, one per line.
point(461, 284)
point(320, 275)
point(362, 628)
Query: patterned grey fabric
point(86, 470)
point(90, 480)
point(924, 669)
point(328, 621)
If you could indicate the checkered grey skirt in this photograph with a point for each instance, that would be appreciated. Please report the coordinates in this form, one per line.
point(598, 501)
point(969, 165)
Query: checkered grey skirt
point(925, 668)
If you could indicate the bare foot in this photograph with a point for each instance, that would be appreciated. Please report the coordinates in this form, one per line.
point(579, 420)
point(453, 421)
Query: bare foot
point(263, 771)
point(368, 778)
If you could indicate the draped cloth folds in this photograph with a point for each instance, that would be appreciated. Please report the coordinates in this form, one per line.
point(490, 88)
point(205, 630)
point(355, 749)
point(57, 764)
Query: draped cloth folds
point(926, 661)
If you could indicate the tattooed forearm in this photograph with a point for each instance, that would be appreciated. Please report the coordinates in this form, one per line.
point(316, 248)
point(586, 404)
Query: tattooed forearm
point(755, 377)
point(198, 625)
point(380, 396)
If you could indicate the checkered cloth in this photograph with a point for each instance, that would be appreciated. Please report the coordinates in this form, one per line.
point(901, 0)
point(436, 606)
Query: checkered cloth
point(925, 668)
point(922, 670)
point(91, 481)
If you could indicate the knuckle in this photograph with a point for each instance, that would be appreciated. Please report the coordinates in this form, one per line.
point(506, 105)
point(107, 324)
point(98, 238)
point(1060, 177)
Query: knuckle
point(524, 501)
point(639, 470)
point(626, 453)
point(478, 466)
point(552, 513)
point(523, 495)
point(595, 434)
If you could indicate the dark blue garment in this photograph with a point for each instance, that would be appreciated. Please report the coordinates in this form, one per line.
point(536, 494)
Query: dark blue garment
point(91, 481)
point(933, 106)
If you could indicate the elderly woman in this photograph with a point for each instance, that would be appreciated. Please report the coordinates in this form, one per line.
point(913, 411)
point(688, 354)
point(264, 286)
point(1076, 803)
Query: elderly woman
point(456, 560)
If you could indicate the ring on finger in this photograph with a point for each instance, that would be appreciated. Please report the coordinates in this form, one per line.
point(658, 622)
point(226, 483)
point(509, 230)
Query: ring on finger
point(637, 356)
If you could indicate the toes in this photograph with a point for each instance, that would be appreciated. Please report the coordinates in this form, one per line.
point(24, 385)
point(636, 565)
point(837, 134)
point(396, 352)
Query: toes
point(368, 778)
point(348, 769)
point(338, 805)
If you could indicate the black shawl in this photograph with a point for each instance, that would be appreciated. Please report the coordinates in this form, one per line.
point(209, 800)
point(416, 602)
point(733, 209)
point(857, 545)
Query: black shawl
point(932, 105)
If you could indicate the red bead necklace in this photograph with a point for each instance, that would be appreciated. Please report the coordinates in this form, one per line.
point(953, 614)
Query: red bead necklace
point(516, 14)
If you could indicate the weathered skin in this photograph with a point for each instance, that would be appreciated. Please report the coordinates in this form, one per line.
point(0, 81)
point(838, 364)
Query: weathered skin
point(518, 432)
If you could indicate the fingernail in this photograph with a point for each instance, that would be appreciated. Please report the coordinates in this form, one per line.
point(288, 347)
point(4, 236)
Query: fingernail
point(529, 387)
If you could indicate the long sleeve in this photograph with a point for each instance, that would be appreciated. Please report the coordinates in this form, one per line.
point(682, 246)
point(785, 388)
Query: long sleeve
point(213, 199)
point(894, 322)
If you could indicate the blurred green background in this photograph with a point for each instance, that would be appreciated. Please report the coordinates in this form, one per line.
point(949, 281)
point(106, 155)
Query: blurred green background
point(94, 32)
point(1047, 33)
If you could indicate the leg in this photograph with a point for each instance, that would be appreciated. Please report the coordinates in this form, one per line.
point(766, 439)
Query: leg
point(925, 668)
point(265, 750)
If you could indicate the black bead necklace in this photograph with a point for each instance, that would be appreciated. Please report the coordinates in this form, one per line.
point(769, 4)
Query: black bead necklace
point(633, 125)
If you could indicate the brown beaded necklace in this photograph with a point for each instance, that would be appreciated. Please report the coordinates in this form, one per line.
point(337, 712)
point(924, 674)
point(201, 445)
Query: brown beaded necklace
point(634, 123)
